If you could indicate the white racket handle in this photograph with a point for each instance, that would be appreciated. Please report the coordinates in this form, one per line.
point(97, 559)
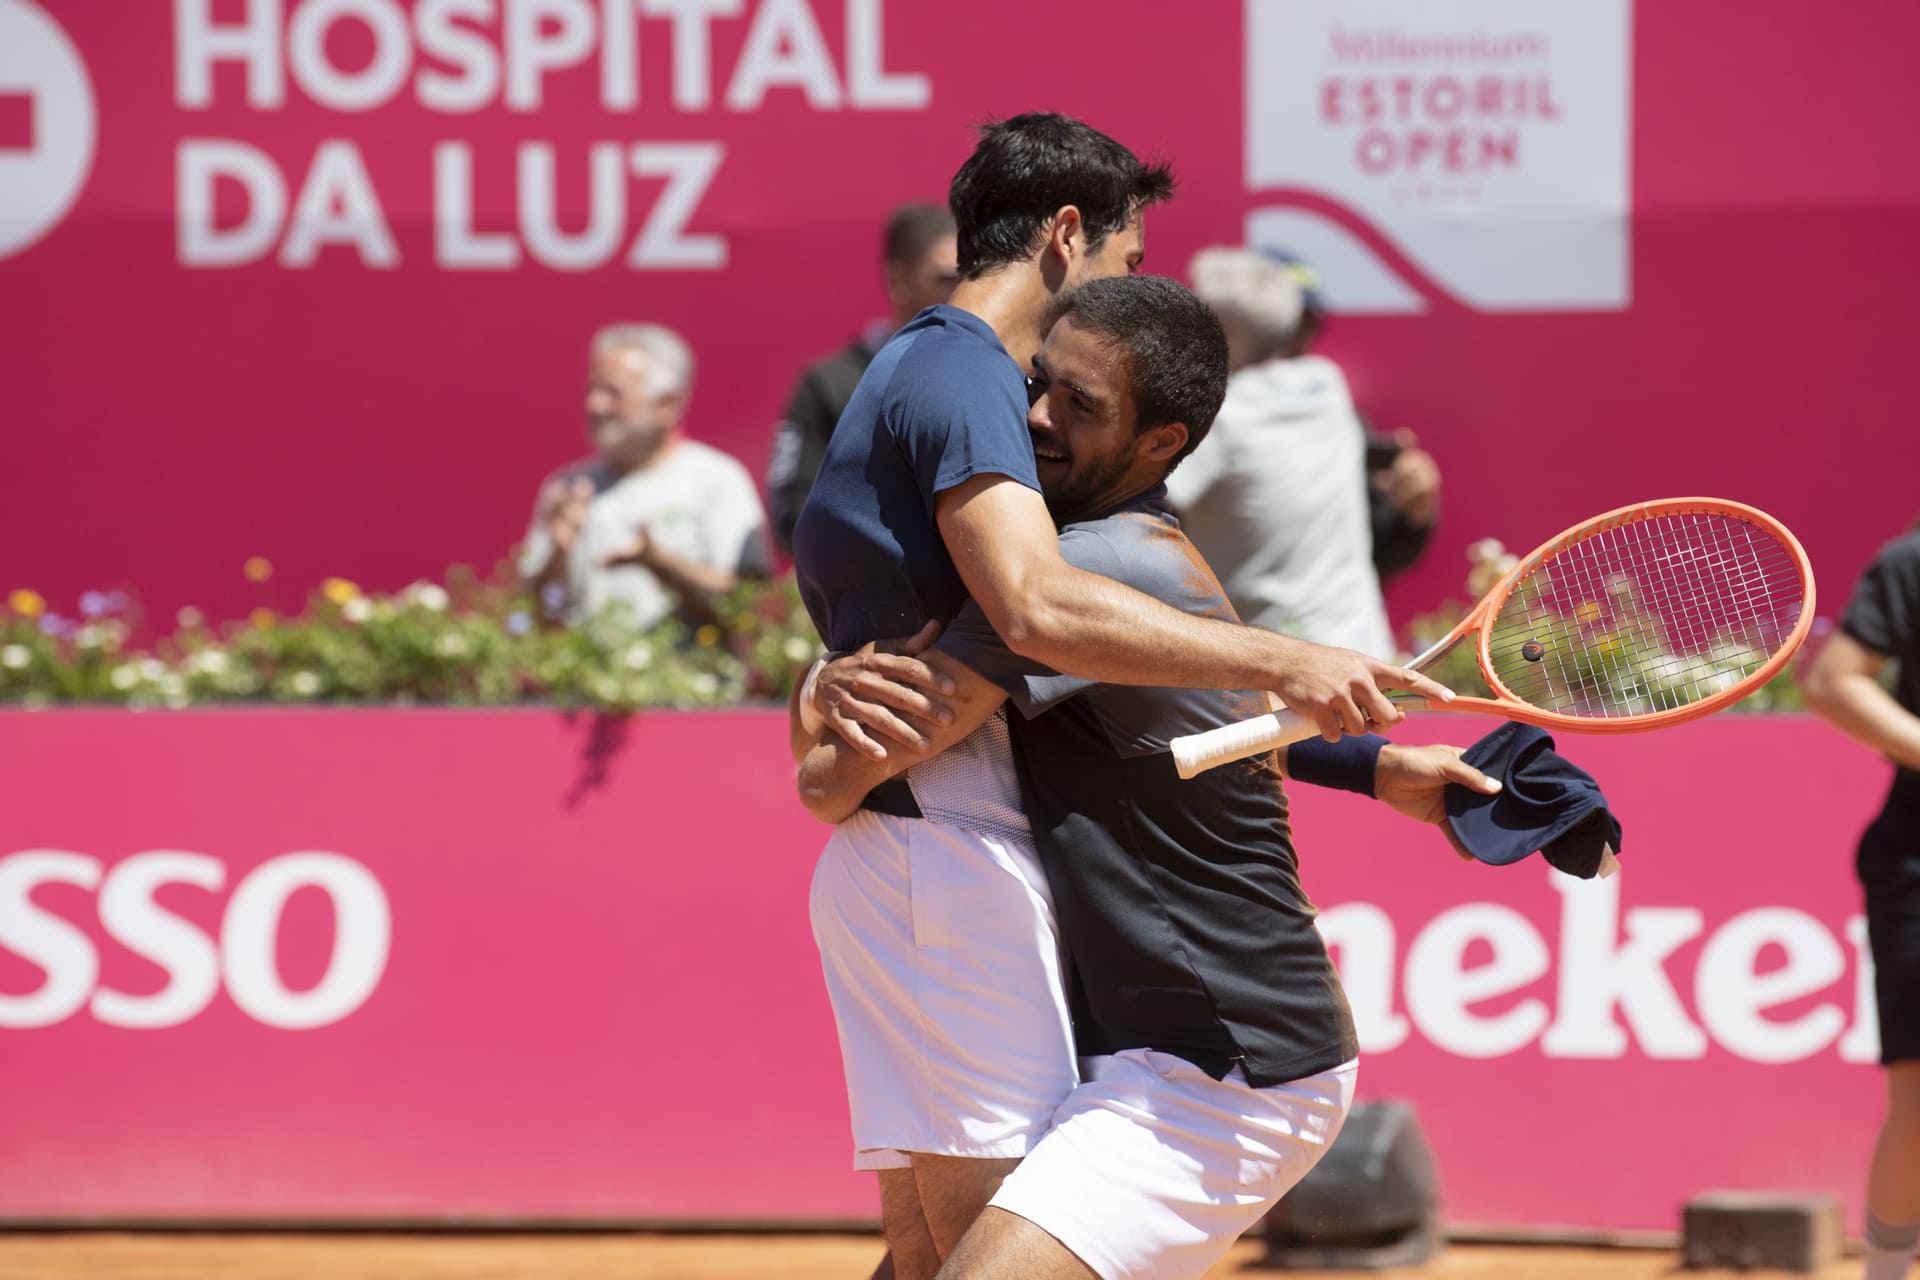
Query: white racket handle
point(1198, 752)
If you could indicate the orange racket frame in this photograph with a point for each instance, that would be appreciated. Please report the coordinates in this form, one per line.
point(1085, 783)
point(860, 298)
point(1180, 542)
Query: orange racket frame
point(1197, 752)
point(1511, 707)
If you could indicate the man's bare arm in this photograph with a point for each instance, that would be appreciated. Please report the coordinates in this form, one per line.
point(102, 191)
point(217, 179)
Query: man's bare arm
point(799, 741)
point(1003, 542)
point(836, 776)
point(1844, 687)
point(699, 586)
point(879, 692)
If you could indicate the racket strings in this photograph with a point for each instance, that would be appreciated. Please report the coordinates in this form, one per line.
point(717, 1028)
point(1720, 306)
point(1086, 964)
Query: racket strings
point(1647, 616)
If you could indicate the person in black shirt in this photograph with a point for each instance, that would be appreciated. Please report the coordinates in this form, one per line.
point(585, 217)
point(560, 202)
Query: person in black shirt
point(1218, 1049)
point(921, 269)
point(1882, 625)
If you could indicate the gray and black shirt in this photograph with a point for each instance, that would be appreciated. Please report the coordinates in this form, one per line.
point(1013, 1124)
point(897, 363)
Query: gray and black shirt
point(1179, 901)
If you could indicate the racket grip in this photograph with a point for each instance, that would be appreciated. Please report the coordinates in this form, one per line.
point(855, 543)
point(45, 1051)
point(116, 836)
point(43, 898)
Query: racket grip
point(1198, 752)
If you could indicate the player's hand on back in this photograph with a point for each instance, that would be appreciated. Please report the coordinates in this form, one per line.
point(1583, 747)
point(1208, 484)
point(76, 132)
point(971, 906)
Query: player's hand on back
point(1344, 691)
point(882, 697)
point(1413, 781)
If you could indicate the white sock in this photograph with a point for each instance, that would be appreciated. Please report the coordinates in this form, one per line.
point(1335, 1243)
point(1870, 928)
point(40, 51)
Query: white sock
point(1889, 1249)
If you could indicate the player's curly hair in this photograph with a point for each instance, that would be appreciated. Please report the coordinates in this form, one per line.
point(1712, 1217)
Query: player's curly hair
point(1175, 350)
point(1026, 168)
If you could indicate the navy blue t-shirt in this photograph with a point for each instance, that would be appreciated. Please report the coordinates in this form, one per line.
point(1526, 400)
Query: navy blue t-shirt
point(1179, 901)
point(942, 402)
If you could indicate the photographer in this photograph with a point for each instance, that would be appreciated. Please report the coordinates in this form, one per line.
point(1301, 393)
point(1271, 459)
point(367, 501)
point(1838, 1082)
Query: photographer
point(1279, 500)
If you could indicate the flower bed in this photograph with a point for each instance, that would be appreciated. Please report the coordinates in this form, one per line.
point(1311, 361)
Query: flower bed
point(484, 643)
point(465, 642)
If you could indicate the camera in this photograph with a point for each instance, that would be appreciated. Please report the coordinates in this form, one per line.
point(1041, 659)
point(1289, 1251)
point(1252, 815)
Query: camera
point(1381, 451)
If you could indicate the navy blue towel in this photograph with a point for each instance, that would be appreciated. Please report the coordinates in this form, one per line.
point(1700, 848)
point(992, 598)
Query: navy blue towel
point(1545, 803)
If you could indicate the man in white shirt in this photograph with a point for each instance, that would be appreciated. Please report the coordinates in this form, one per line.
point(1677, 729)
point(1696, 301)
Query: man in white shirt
point(1277, 500)
point(654, 521)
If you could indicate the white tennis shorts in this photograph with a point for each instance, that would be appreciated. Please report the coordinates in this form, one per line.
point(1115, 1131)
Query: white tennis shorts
point(1153, 1168)
point(944, 966)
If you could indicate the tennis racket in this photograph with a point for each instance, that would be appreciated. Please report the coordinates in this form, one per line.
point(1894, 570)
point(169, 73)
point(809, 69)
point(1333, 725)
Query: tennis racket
point(1647, 616)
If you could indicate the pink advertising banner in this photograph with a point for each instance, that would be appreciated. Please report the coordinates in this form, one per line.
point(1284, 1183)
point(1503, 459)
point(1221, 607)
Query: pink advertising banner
point(313, 279)
point(513, 965)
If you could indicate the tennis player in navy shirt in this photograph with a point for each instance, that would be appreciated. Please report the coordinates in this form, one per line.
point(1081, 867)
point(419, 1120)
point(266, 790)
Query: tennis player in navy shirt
point(942, 404)
point(934, 919)
point(1220, 1054)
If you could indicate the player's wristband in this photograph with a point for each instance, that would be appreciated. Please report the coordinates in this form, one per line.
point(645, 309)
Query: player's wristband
point(1346, 765)
point(811, 721)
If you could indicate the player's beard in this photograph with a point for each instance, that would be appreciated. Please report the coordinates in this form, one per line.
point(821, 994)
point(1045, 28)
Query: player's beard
point(1087, 487)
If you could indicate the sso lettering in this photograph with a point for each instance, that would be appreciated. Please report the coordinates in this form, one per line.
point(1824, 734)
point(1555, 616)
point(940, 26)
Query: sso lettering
point(241, 959)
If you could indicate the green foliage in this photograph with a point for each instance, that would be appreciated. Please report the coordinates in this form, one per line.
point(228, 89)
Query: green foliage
point(468, 642)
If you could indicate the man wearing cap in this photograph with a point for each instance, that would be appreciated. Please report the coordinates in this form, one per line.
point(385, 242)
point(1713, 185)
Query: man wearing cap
point(1282, 501)
point(1403, 480)
point(1217, 1050)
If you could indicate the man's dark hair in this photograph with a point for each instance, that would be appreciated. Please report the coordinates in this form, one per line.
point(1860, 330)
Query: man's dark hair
point(1026, 168)
point(913, 229)
point(1175, 351)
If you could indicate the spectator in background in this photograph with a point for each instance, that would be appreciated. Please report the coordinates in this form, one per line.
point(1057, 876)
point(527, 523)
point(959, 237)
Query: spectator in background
point(921, 270)
point(1882, 626)
point(1404, 493)
point(653, 521)
point(1277, 497)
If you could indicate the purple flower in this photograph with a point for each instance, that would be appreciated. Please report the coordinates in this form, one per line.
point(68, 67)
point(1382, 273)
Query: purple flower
point(519, 623)
point(93, 604)
point(553, 597)
point(55, 625)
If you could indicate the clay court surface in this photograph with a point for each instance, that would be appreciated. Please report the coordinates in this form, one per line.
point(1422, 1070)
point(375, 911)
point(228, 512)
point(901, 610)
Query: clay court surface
point(107, 1256)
